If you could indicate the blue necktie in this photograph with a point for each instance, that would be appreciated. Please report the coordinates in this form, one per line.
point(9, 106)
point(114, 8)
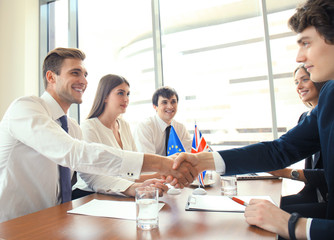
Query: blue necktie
point(65, 172)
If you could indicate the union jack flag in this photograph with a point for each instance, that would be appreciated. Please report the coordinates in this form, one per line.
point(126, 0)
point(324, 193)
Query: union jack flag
point(199, 145)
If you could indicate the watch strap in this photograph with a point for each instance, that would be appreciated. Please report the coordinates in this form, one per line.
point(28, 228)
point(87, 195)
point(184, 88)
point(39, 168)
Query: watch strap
point(292, 225)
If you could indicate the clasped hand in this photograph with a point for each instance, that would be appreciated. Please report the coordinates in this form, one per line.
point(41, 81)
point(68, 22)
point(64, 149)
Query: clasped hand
point(180, 175)
point(185, 168)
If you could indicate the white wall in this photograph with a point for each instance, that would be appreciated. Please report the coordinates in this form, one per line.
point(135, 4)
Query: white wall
point(19, 41)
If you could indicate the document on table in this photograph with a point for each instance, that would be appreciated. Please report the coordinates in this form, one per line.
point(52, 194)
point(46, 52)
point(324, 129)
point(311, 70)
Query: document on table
point(256, 176)
point(219, 203)
point(108, 208)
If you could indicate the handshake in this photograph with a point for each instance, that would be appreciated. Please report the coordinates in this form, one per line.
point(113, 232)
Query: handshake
point(180, 169)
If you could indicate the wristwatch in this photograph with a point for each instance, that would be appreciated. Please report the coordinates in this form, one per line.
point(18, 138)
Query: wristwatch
point(292, 225)
point(294, 174)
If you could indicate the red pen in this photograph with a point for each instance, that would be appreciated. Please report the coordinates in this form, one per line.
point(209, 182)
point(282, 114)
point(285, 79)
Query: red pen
point(237, 200)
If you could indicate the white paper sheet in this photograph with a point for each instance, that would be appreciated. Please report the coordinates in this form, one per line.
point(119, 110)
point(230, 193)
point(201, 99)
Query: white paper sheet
point(219, 203)
point(107, 208)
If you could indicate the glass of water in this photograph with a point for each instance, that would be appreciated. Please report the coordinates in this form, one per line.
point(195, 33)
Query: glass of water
point(229, 185)
point(147, 209)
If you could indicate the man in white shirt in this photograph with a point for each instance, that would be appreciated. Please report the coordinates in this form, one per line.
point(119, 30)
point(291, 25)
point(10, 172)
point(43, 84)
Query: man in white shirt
point(150, 135)
point(33, 144)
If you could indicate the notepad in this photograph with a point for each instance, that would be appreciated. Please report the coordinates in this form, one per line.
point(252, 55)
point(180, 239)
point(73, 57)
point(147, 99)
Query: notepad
point(256, 176)
point(219, 203)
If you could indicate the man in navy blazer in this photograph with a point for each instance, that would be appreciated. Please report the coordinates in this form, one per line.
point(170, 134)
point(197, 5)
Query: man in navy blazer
point(314, 24)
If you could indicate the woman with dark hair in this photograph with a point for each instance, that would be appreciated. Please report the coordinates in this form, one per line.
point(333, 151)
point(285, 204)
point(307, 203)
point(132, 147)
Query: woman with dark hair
point(307, 90)
point(311, 201)
point(104, 125)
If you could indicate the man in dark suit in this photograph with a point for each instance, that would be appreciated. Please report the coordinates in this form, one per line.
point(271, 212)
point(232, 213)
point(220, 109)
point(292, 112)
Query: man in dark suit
point(311, 201)
point(314, 23)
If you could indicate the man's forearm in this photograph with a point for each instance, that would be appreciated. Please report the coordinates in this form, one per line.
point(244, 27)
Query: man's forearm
point(152, 163)
point(300, 230)
point(205, 161)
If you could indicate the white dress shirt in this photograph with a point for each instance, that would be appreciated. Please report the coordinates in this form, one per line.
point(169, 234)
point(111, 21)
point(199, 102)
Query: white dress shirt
point(32, 144)
point(150, 135)
point(94, 131)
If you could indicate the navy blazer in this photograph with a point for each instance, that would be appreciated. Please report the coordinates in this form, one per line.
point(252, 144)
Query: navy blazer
point(314, 173)
point(305, 139)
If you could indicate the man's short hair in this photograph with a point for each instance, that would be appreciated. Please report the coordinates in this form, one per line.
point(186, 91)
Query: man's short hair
point(55, 58)
point(316, 13)
point(166, 92)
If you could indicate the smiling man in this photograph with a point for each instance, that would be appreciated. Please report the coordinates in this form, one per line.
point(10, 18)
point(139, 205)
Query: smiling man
point(40, 145)
point(150, 135)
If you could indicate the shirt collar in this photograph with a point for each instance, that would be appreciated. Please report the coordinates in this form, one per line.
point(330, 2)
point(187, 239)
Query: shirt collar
point(54, 107)
point(161, 123)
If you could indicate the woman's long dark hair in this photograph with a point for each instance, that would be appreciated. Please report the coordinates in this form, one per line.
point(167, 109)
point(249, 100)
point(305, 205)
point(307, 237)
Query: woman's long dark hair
point(106, 85)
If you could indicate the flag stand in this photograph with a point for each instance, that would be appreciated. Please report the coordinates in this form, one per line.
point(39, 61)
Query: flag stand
point(173, 191)
point(199, 191)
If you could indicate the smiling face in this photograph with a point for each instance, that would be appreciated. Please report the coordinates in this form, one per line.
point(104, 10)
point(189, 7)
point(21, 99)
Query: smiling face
point(166, 108)
point(316, 54)
point(118, 99)
point(69, 86)
point(306, 89)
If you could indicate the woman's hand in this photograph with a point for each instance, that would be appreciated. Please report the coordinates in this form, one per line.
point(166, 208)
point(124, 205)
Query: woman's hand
point(285, 172)
point(158, 183)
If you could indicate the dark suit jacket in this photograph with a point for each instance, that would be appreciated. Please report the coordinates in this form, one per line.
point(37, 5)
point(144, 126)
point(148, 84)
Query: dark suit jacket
point(314, 173)
point(315, 131)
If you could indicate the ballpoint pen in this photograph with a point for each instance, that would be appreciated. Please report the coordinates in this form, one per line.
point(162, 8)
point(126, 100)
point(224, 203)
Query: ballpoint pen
point(237, 200)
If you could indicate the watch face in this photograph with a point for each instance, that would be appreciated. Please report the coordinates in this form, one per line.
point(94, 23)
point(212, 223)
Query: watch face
point(295, 174)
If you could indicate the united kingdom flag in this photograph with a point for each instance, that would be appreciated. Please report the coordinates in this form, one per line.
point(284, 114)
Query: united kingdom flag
point(199, 145)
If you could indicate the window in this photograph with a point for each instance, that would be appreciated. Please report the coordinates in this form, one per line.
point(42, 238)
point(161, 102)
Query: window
point(214, 54)
point(117, 39)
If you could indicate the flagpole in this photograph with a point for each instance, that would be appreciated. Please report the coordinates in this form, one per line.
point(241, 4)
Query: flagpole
point(196, 140)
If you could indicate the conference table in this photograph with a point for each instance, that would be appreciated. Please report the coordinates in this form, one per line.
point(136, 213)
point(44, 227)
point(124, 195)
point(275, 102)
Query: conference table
point(174, 221)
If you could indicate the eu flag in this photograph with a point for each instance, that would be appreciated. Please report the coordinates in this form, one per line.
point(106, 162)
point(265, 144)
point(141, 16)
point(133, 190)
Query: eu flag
point(174, 143)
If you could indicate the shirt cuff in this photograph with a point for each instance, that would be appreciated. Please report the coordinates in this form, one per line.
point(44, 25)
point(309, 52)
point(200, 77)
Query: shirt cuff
point(308, 228)
point(132, 163)
point(219, 163)
point(120, 188)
